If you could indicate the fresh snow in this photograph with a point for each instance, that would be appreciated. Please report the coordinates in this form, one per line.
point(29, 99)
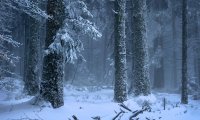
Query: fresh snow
point(88, 102)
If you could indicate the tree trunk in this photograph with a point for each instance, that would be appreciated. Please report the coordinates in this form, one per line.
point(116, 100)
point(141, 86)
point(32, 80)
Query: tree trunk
point(52, 75)
point(120, 94)
point(141, 80)
point(159, 70)
point(32, 56)
point(26, 46)
point(184, 95)
point(174, 35)
point(196, 36)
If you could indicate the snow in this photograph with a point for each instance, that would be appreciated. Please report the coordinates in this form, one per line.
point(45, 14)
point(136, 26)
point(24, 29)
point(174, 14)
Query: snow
point(87, 102)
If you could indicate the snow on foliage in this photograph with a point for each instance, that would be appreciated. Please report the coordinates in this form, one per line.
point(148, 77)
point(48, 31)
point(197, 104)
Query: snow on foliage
point(6, 57)
point(28, 7)
point(6, 20)
point(67, 39)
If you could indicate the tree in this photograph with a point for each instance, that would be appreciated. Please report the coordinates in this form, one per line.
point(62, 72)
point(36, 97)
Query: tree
point(141, 83)
point(31, 70)
point(120, 93)
point(63, 44)
point(184, 90)
point(174, 37)
point(52, 74)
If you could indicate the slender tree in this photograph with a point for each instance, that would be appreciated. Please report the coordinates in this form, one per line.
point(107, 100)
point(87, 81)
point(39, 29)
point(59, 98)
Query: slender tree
point(174, 35)
point(141, 82)
point(52, 75)
point(120, 94)
point(184, 91)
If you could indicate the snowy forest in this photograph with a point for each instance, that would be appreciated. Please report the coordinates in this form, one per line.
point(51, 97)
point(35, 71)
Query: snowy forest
point(99, 59)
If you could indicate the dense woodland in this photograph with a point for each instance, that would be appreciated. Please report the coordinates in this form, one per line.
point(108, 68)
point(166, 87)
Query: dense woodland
point(135, 47)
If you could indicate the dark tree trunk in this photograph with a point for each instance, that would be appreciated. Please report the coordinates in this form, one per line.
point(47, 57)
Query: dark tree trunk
point(120, 94)
point(184, 95)
point(52, 75)
point(141, 80)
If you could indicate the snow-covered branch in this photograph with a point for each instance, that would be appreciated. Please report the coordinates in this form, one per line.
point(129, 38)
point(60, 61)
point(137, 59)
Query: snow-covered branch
point(28, 7)
point(66, 40)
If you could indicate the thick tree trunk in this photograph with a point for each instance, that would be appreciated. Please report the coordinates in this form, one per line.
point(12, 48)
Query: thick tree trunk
point(120, 93)
point(184, 95)
point(141, 68)
point(52, 75)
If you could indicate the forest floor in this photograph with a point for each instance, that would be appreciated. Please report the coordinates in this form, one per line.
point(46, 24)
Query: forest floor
point(88, 103)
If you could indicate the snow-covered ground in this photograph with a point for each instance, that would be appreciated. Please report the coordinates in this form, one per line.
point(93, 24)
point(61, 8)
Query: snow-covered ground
point(85, 103)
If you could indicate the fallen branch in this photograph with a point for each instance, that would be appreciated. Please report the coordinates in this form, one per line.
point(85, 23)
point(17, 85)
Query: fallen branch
point(125, 107)
point(121, 112)
point(137, 113)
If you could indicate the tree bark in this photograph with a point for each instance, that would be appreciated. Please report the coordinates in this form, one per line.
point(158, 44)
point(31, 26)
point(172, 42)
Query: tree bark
point(120, 93)
point(141, 80)
point(52, 75)
point(184, 95)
